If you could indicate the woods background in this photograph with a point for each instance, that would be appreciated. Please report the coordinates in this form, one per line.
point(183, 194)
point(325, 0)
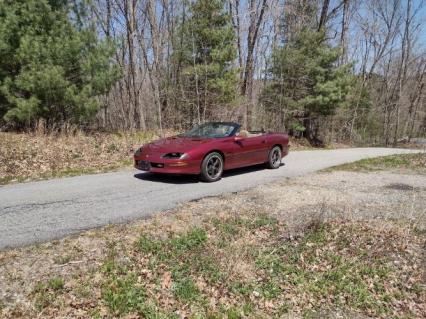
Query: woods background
point(327, 70)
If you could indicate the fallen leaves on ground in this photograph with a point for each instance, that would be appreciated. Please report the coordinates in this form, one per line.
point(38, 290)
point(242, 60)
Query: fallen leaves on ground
point(272, 252)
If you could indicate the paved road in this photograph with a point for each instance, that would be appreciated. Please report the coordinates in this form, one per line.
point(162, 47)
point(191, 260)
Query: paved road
point(40, 211)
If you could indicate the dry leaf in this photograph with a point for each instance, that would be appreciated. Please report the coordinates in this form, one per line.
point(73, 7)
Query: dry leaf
point(166, 280)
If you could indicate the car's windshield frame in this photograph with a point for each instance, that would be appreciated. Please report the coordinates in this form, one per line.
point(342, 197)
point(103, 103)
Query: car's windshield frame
point(206, 130)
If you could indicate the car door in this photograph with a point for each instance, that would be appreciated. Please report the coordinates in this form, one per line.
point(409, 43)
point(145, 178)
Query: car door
point(259, 149)
point(250, 150)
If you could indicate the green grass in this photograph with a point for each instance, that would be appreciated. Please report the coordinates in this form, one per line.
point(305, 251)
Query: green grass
point(182, 254)
point(46, 293)
point(228, 228)
point(56, 283)
point(186, 291)
point(402, 162)
point(122, 291)
point(332, 266)
point(303, 266)
point(173, 248)
point(122, 294)
point(344, 279)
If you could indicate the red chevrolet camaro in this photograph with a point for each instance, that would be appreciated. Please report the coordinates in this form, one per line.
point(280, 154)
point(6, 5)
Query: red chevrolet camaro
point(211, 148)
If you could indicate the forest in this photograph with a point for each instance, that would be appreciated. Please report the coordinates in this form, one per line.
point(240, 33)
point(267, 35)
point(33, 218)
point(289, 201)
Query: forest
point(325, 70)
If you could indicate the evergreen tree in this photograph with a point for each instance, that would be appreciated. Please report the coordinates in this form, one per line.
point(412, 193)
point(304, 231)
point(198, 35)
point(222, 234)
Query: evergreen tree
point(50, 68)
point(305, 83)
point(205, 54)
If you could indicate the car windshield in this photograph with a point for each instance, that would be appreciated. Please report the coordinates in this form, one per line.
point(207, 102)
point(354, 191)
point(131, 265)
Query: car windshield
point(211, 130)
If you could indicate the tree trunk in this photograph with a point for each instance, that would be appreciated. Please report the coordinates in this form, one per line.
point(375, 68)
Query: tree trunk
point(324, 14)
point(311, 130)
point(343, 34)
point(247, 86)
point(235, 8)
point(252, 36)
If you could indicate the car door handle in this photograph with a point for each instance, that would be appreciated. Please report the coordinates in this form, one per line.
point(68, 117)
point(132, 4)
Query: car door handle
point(264, 141)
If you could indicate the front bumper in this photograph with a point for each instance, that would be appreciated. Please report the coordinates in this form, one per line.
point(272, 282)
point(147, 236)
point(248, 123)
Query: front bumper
point(157, 164)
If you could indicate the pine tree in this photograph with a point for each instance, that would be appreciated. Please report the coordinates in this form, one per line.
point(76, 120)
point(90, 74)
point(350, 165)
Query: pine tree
point(50, 68)
point(205, 54)
point(306, 85)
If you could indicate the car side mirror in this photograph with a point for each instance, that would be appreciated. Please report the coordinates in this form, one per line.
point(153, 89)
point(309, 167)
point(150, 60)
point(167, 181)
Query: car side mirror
point(238, 138)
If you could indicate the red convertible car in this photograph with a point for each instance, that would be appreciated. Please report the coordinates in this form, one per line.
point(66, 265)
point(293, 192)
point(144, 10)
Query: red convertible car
point(211, 148)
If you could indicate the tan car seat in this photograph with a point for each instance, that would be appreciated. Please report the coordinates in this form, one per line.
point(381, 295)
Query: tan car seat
point(244, 133)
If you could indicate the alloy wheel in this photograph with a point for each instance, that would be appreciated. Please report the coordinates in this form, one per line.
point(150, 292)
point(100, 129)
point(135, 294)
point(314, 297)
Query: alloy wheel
point(275, 157)
point(214, 166)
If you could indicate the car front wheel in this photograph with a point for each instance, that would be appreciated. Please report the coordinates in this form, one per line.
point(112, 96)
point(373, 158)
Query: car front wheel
point(212, 167)
point(274, 159)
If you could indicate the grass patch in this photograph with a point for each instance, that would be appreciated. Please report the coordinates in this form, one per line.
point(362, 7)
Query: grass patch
point(181, 254)
point(311, 267)
point(193, 239)
point(174, 247)
point(46, 293)
point(325, 266)
point(122, 290)
point(122, 295)
point(186, 291)
point(246, 267)
point(56, 283)
point(402, 162)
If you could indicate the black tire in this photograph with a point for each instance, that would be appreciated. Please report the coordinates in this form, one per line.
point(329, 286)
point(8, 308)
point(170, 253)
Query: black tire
point(212, 167)
point(274, 158)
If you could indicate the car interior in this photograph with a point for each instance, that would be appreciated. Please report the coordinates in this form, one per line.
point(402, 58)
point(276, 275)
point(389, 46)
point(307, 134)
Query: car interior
point(223, 130)
point(247, 134)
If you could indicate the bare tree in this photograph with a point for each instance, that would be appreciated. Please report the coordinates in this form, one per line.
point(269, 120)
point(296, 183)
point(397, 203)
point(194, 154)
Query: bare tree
point(379, 37)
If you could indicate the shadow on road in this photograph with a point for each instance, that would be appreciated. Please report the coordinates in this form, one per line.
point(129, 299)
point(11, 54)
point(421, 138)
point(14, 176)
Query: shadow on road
point(168, 178)
point(192, 179)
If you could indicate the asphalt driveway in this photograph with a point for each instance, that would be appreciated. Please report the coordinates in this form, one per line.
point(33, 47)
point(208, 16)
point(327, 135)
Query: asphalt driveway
point(40, 211)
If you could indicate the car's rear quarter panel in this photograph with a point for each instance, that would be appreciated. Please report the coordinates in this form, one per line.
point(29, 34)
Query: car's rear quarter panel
point(280, 139)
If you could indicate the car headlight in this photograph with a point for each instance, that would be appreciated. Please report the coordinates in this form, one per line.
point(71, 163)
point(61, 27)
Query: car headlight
point(175, 155)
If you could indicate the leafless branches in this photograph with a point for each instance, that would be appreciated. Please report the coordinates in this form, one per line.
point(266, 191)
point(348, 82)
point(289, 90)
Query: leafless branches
point(381, 38)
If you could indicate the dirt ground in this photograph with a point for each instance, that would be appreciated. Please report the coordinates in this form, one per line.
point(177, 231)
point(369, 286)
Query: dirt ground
point(383, 211)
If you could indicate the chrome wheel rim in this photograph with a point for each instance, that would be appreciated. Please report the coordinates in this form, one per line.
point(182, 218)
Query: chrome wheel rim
point(275, 158)
point(214, 167)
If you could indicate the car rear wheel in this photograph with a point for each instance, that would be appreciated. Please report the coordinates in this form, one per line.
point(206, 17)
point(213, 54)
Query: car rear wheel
point(274, 159)
point(212, 167)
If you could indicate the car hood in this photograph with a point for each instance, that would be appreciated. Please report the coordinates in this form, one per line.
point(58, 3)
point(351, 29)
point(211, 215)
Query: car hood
point(175, 144)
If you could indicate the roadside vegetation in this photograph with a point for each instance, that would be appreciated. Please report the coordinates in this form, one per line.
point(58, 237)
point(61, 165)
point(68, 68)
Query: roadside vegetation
point(245, 267)
point(41, 155)
point(304, 67)
point(244, 255)
point(415, 163)
point(273, 276)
